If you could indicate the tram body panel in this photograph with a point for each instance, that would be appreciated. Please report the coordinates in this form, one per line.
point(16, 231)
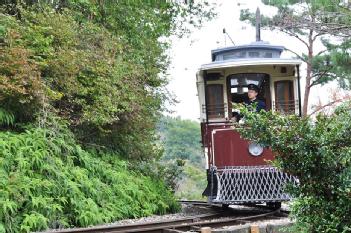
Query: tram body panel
point(227, 148)
point(231, 150)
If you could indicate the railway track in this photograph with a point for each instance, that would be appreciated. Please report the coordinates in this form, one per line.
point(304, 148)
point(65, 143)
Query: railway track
point(214, 219)
point(255, 207)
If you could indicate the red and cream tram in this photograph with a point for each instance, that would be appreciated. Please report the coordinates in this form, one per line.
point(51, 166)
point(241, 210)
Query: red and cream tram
point(239, 171)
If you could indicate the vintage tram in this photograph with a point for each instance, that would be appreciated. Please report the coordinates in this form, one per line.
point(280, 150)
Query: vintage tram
point(239, 171)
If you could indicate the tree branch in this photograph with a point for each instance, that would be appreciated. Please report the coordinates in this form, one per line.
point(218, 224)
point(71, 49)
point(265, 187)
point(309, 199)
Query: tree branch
point(323, 51)
point(299, 56)
point(317, 35)
point(294, 35)
point(329, 104)
point(320, 74)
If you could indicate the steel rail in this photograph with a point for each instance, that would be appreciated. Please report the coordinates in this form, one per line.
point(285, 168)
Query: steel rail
point(214, 219)
point(149, 225)
point(176, 225)
point(179, 227)
point(208, 204)
point(213, 224)
point(199, 203)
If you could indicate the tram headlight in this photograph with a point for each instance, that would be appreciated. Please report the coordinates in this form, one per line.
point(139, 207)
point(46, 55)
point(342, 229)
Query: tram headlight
point(255, 149)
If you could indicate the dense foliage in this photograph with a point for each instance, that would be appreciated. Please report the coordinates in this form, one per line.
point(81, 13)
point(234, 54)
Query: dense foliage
point(184, 155)
point(318, 153)
point(47, 180)
point(100, 67)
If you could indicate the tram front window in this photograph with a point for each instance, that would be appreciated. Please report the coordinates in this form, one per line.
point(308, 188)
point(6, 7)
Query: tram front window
point(238, 87)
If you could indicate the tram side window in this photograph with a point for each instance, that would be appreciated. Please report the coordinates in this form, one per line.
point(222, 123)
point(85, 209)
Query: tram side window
point(215, 101)
point(284, 96)
point(254, 54)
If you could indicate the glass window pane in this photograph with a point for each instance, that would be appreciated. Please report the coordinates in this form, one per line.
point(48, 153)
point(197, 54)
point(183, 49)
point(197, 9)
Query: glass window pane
point(281, 91)
point(234, 82)
point(242, 80)
point(268, 55)
point(215, 104)
point(284, 96)
point(254, 54)
point(241, 54)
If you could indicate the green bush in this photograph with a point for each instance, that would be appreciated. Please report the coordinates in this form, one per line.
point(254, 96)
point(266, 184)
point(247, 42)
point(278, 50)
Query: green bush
point(318, 153)
point(6, 118)
point(48, 181)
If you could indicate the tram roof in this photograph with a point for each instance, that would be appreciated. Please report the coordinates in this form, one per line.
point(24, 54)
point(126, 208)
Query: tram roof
point(250, 62)
point(253, 45)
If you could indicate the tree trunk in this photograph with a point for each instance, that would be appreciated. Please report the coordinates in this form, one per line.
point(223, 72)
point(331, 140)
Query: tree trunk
point(305, 99)
point(308, 74)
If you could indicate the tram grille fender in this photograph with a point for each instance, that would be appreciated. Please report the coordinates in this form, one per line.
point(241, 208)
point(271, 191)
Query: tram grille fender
point(252, 184)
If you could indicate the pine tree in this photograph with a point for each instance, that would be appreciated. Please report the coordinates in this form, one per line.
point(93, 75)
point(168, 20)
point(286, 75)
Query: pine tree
point(309, 22)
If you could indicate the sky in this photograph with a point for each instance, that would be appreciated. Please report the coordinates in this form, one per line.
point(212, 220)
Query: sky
point(189, 53)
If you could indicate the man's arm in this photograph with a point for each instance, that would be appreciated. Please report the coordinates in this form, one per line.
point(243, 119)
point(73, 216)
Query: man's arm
point(261, 105)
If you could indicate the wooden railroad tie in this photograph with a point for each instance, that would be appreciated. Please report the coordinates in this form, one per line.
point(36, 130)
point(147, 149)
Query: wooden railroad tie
point(205, 230)
point(254, 229)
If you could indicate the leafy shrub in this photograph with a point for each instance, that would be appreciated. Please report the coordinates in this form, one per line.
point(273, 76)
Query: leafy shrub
point(170, 172)
point(48, 181)
point(80, 70)
point(318, 153)
point(6, 118)
point(20, 86)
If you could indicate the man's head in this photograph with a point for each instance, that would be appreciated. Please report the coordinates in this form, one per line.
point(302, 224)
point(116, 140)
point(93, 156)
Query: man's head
point(252, 91)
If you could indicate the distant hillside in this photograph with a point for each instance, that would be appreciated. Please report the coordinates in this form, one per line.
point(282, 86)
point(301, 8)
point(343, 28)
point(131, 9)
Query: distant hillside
point(181, 140)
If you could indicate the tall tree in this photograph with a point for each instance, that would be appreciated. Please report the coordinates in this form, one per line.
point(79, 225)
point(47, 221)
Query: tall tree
point(308, 22)
point(100, 65)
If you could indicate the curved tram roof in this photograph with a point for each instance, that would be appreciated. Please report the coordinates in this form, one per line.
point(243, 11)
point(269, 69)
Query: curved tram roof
point(254, 54)
point(250, 62)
